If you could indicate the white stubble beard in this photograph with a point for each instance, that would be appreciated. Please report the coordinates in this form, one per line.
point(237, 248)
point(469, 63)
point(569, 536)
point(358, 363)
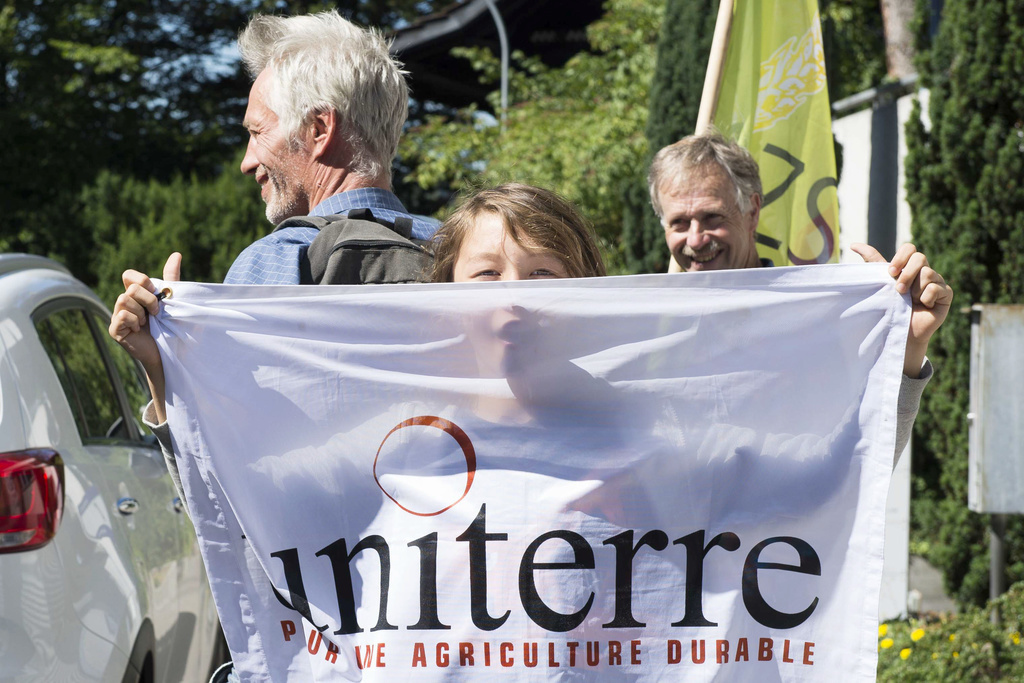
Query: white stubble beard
point(284, 199)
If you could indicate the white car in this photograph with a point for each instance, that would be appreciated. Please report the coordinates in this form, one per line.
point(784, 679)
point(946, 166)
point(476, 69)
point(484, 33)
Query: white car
point(100, 574)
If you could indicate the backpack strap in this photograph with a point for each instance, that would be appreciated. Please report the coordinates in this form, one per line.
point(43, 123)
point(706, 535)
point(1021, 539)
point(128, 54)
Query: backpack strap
point(318, 222)
point(358, 233)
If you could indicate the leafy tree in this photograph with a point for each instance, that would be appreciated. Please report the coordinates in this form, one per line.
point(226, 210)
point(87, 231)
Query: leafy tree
point(150, 90)
point(964, 184)
point(380, 13)
point(577, 129)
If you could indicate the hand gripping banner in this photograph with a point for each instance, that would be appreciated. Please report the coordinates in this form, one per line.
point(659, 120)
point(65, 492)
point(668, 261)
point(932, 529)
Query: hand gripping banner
point(609, 479)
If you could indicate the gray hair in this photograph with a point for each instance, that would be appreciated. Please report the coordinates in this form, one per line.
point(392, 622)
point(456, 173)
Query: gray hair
point(321, 62)
point(673, 164)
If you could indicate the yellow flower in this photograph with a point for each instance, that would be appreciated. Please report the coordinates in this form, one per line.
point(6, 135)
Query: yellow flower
point(904, 653)
point(917, 634)
point(956, 655)
point(935, 655)
point(886, 644)
point(882, 630)
point(1015, 637)
point(952, 637)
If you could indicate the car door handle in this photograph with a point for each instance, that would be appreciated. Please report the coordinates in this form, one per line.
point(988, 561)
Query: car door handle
point(178, 504)
point(127, 506)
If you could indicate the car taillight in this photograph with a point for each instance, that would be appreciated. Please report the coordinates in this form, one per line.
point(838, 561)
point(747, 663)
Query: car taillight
point(31, 498)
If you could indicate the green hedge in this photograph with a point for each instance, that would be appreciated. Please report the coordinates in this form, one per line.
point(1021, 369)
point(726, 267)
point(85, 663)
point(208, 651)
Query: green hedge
point(138, 223)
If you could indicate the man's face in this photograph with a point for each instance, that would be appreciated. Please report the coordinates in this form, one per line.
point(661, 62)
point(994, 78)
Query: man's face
point(704, 226)
point(279, 168)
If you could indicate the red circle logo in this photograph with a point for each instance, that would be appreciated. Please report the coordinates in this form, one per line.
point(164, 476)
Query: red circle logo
point(461, 439)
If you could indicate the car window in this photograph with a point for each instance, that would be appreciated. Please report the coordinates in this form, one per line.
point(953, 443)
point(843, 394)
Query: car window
point(83, 374)
point(135, 387)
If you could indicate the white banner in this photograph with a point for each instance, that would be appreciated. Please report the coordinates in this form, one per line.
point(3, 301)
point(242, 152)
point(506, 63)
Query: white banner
point(635, 478)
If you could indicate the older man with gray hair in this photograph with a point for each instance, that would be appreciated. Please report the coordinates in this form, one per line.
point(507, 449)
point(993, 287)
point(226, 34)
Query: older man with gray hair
point(325, 114)
point(706, 190)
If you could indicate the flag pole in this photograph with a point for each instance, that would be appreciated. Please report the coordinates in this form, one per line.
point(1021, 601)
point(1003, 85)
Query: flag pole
point(716, 67)
point(712, 81)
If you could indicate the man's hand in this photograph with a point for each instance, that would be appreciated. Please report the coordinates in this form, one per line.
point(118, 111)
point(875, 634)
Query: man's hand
point(129, 325)
point(929, 293)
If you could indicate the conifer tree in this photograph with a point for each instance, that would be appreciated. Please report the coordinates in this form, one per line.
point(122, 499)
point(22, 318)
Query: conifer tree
point(965, 185)
point(683, 47)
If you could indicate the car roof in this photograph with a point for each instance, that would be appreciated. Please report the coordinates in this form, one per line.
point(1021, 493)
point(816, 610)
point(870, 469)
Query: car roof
point(10, 263)
point(27, 282)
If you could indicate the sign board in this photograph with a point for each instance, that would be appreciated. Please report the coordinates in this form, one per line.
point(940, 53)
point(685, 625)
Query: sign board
point(996, 439)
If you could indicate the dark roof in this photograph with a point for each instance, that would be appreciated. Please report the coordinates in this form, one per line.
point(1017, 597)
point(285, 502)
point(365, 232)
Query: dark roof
point(553, 31)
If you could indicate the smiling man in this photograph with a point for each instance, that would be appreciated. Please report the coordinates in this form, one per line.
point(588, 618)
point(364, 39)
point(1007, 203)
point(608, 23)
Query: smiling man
point(324, 117)
point(706, 189)
point(707, 192)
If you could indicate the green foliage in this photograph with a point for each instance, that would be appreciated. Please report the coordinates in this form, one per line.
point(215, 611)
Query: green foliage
point(138, 223)
point(962, 647)
point(577, 129)
point(137, 88)
point(684, 41)
point(152, 91)
point(964, 184)
point(102, 60)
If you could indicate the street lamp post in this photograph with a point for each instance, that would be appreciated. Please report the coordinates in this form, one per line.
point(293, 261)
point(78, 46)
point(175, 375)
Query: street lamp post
point(503, 40)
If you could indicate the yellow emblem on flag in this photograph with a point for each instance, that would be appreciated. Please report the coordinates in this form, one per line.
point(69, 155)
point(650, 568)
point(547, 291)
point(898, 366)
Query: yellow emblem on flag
point(774, 101)
point(794, 72)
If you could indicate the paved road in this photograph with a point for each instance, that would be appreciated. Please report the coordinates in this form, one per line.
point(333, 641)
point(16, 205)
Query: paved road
point(927, 580)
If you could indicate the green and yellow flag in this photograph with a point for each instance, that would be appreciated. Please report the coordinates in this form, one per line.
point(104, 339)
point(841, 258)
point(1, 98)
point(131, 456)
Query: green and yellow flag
point(774, 101)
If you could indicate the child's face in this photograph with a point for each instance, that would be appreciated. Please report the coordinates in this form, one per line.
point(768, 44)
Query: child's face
point(488, 253)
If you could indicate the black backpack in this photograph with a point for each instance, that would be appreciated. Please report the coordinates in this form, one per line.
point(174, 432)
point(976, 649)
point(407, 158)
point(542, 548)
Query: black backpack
point(361, 249)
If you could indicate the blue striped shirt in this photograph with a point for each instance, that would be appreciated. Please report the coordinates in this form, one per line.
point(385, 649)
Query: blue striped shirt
point(275, 259)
